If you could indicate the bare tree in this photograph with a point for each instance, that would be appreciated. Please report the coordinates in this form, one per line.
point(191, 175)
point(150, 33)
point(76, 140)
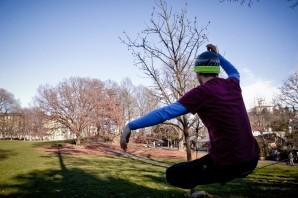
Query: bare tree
point(289, 91)
point(166, 133)
point(8, 103)
point(249, 3)
point(289, 97)
point(85, 107)
point(259, 116)
point(145, 99)
point(260, 121)
point(242, 2)
point(69, 104)
point(33, 124)
point(10, 118)
point(115, 93)
point(107, 113)
point(10, 125)
point(128, 100)
point(165, 51)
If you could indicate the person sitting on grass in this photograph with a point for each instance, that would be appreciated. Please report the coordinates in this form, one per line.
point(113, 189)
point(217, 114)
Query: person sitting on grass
point(233, 151)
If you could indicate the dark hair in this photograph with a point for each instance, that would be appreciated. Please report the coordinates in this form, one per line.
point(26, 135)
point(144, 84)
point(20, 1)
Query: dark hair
point(209, 75)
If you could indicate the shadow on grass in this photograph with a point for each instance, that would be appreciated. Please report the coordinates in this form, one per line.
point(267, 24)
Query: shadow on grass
point(269, 182)
point(255, 185)
point(4, 154)
point(55, 143)
point(75, 182)
point(113, 176)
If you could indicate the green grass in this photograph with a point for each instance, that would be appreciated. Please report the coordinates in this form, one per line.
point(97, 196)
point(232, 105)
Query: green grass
point(26, 172)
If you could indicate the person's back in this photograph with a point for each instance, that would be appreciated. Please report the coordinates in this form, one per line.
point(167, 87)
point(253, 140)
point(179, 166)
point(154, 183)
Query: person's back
point(220, 106)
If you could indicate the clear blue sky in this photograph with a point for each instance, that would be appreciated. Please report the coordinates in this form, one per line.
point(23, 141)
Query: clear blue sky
point(50, 40)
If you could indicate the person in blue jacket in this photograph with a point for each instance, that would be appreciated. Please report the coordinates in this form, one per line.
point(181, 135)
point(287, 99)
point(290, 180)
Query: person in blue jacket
point(233, 151)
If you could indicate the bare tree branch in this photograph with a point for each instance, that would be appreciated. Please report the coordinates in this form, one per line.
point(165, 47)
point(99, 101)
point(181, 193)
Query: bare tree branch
point(165, 51)
point(289, 91)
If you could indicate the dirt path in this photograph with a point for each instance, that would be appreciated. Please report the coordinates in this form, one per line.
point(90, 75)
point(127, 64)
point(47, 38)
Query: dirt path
point(134, 151)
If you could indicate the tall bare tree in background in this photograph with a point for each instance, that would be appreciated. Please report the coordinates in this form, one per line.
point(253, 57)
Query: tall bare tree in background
point(128, 100)
point(146, 100)
point(260, 121)
point(8, 103)
point(165, 50)
point(10, 118)
point(33, 124)
point(69, 103)
point(289, 97)
point(289, 91)
point(86, 107)
point(107, 112)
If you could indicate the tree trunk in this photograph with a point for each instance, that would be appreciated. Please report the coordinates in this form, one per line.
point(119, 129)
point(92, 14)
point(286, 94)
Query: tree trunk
point(264, 146)
point(98, 129)
point(78, 139)
point(180, 139)
point(187, 143)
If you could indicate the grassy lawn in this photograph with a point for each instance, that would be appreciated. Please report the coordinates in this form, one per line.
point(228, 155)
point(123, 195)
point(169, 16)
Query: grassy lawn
point(26, 172)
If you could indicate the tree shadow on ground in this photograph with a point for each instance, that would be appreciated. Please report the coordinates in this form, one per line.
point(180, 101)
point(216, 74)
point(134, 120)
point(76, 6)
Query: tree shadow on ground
point(75, 182)
point(111, 176)
point(254, 186)
point(4, 154)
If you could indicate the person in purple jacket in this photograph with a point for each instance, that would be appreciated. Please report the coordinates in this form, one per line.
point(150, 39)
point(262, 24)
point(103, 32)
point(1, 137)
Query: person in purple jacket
point(233, 151)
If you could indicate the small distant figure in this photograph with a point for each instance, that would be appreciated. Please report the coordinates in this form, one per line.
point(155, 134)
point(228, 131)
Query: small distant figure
point(277, 156)
point(291, 159)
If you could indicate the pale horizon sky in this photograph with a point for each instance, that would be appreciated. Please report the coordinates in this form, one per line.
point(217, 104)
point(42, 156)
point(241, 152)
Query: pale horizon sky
point(45, 42)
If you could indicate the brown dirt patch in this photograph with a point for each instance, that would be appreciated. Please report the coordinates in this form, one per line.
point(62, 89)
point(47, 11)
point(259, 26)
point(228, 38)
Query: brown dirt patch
point(106, 149)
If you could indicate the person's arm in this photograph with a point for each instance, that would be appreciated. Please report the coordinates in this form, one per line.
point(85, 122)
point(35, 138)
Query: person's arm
point(225, 64)
point(155, 117)
point(158, 116)
point(229, 68)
